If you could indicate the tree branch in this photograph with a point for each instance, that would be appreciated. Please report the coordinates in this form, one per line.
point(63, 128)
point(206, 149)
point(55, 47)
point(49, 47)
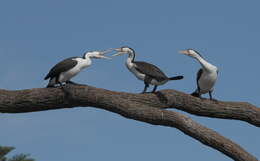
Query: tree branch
point(148, 108)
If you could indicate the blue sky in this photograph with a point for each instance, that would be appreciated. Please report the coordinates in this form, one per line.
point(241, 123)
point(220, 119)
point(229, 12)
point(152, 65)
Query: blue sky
point(35, 35)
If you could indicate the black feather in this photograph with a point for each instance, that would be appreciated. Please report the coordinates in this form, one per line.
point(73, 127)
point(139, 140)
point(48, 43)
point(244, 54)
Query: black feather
point(199, 73)
point(62, 66)
point(150, 70)
point(176, 78)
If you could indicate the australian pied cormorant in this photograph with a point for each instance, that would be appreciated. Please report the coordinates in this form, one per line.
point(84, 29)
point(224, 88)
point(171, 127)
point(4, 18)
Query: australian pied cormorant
point(68, 68)
point(206, 76)
point(146, 72)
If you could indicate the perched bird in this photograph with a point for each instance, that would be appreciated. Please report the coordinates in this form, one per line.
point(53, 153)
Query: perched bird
point(68, 68)
point(146, 72)
point(206, 76)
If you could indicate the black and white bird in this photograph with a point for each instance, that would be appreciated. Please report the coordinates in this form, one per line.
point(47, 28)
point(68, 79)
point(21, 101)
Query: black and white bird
point(146, 72)
point(206, 76)
point(70, 67)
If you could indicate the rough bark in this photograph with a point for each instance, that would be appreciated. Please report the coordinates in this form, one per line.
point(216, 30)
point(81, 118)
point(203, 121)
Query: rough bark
point(150, 108)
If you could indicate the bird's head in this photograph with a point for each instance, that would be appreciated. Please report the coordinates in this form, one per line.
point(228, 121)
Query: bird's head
point(124, 50)
point(191, 53)
point(97, 54)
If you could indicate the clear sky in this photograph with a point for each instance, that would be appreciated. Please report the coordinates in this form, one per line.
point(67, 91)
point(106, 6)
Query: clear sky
point(35, 35)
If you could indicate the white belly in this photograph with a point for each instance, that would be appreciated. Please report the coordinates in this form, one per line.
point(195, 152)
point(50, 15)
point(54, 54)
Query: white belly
point(132, 69)
point(207, 81)
point(66, 76)
point(141, 76)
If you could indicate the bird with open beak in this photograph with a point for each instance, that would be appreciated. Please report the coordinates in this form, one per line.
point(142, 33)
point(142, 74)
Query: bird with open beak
point(146, 72)
point(70, 67)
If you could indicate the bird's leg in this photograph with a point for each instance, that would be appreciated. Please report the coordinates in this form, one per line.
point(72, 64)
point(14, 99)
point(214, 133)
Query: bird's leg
point(147, 80)
point(210, 95)
point(154, 89)
point(145, 87)
point(199, 91)
point(211, 98)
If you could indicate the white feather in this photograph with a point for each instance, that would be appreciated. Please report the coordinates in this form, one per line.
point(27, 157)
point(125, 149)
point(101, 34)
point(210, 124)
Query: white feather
point(82, 63)
point(209, 75)
point(207, 80)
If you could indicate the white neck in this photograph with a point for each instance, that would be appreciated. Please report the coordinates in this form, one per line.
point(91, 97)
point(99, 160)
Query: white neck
point(88, 58)
point(130, 58)
point(89, 55)
point(206, 65)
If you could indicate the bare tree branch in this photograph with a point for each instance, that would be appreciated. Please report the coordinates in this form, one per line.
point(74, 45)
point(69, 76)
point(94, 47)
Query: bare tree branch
point(204, 107)
point(148, 108)
point(10, 101)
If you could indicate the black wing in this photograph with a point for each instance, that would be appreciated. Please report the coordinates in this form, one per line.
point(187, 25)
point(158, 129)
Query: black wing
point(151, 70)
point(199, 73)
point(62, 66)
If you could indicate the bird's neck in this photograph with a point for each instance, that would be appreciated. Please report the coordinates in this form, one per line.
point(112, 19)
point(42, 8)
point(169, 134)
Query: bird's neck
point(130, 58)
point(87, 59)
point(205, 65)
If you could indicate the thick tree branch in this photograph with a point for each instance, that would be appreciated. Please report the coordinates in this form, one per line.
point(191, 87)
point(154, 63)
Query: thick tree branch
point(13, 101)
point(204, 107)
point(143, 107)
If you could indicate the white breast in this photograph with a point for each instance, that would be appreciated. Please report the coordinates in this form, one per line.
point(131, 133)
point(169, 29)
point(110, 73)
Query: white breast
point(131, 68)
point(82, 63)
point(207, 81)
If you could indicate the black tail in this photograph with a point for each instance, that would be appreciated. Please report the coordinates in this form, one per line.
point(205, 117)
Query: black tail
point(195, 94)
point(176, 78)
point(47, 76)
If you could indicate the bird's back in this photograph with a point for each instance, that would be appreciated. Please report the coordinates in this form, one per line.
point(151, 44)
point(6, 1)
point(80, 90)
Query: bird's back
point(150, 70)
point(62, 66)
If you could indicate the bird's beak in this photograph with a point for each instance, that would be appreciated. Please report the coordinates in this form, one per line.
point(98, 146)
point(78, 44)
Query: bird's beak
point(106, 51)
point(103, 57)
point(119, 52)
point(185, 52)
point(102, 53)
